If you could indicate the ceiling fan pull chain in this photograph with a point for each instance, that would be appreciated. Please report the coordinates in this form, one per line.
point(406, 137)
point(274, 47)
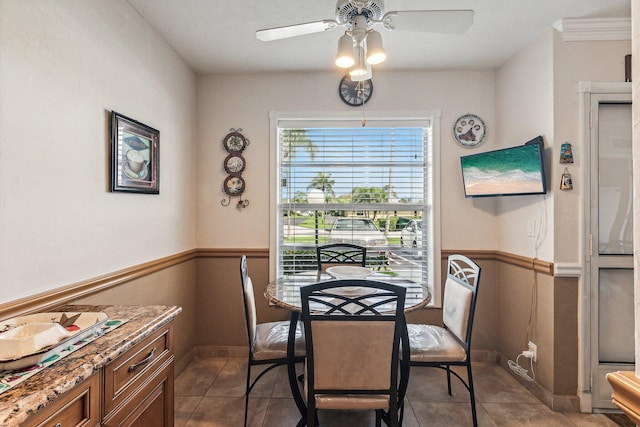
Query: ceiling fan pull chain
point(361, 93)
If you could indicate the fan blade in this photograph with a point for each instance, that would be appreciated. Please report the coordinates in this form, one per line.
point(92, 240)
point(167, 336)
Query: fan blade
point(278, 33)
point(430, 21)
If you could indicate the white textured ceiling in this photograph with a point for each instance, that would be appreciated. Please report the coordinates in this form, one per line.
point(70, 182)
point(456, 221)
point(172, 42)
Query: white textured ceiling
point(218, 36)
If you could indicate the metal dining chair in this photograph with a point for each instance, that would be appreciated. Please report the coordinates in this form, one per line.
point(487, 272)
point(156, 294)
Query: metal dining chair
point(353, 330)
point(339, 254)
point(267, 341)
point(450, 345)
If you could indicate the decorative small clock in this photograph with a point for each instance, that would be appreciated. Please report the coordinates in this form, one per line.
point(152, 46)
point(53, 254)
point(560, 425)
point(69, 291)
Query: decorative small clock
point(234, 163)
point(355, 93)
point(469, 130)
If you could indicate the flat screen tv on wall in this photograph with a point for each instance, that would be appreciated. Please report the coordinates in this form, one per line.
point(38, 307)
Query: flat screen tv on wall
point(512, 171)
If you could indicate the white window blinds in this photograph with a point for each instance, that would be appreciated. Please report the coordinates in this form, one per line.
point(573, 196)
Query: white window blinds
point(372, 186)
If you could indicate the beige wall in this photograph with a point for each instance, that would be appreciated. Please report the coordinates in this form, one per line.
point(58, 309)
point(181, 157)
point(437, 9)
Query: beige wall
point(601, 61)
point(64, 65)
point(524, 100)
point(219, 303)
point(540, 85)
point(175, 285)
point(232, 101)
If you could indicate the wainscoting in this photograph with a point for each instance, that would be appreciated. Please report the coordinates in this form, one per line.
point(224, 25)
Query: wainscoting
point(205, 283)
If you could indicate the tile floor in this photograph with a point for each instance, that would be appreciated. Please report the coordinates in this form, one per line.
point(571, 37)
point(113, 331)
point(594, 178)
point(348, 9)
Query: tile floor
point(210, 393)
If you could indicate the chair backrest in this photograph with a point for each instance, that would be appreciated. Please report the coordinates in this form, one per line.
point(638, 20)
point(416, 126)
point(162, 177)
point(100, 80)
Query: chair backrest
point(460, 293)
point(340, 253)
point(249, 301)
point(352, 336)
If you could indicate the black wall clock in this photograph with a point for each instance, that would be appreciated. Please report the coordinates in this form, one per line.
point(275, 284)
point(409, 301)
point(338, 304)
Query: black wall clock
point(353, 93)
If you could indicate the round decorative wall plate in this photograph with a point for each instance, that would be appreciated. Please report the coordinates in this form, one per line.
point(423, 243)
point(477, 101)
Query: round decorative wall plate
point(233, 185)
point(234, 142)
point(234, 163)
point(469, 130)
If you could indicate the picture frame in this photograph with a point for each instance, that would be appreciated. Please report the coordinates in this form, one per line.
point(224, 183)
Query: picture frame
point(135, 156)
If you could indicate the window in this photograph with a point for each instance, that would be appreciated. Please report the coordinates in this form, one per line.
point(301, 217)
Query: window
point(338, 182)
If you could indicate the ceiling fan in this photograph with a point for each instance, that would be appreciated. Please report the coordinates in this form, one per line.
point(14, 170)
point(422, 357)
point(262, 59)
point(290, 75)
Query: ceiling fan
point(348, 12)
point(361, 45)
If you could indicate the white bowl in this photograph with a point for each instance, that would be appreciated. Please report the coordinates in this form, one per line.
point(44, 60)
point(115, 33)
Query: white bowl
point(349, 272)
point(29, 338)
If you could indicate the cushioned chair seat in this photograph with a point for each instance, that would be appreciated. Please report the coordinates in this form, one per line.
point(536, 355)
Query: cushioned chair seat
point(271, 340)
point(350, 401)
point(431, 343)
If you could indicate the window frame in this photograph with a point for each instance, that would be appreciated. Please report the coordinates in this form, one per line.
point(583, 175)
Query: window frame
point(309, 119)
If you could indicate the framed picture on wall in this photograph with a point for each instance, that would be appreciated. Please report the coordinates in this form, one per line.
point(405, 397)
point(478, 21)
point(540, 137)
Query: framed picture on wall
point(135, 155)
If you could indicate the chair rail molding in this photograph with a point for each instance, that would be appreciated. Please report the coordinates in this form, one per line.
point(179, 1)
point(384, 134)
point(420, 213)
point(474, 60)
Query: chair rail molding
point(562, 269)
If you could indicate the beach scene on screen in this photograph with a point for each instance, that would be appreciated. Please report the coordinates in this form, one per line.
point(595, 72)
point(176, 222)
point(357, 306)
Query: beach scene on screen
point(510, 171)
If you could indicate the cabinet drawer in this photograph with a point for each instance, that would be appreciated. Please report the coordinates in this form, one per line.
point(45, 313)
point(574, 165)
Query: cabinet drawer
point(152, 405)
point(79, 406)
point(125, 374)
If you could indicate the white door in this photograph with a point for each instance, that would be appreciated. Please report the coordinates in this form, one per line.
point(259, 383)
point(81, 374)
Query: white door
point(610, 243)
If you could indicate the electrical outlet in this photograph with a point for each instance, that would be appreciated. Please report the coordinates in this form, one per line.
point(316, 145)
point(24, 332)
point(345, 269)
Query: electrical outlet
point(533, 351)
point(531, 227)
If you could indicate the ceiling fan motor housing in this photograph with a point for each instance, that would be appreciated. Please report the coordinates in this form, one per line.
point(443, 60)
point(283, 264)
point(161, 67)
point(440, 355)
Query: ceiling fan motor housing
point(347, 10)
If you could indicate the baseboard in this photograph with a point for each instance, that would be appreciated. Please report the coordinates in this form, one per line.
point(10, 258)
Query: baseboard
point(182, 363)
point(484, 356)
point(556, 402)
point(213, 351)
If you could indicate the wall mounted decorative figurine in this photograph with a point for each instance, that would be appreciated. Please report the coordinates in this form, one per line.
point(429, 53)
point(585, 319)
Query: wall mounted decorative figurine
point(234, 164)
point(565, 181)
point(566, 155)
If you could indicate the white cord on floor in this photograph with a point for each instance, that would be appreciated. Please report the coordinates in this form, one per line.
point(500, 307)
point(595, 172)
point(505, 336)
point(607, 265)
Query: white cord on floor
point(518, 369)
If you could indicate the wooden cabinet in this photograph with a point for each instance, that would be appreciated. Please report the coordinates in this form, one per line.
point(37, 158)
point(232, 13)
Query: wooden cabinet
point(138, 385)
point(78, 407)
point(152, 405)
point(134, 389)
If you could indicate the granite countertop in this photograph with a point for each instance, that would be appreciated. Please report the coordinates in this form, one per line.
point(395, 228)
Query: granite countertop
point(42, 389)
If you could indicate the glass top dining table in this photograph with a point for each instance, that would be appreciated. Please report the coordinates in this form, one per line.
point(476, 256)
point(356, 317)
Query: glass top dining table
point(285, 291)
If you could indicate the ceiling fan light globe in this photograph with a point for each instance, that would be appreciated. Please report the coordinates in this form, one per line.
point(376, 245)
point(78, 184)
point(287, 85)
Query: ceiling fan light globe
point(360, 77)
point(376, 58)
point(375, 50)
point(344, 62)
point(345, 57)
point(360, 72)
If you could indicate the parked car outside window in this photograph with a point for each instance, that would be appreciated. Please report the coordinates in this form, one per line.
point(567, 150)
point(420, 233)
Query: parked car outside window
point(357, 231)
point(411, 234)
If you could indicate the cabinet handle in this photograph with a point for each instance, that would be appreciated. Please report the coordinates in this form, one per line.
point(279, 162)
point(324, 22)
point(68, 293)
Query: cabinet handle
point(58, 425)
point(144, 361)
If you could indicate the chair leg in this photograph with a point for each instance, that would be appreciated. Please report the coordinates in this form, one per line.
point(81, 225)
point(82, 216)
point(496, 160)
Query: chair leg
point(246, 393)
point(449, 379)
point(472, 396)
point(312, 416)
point(378, 418)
